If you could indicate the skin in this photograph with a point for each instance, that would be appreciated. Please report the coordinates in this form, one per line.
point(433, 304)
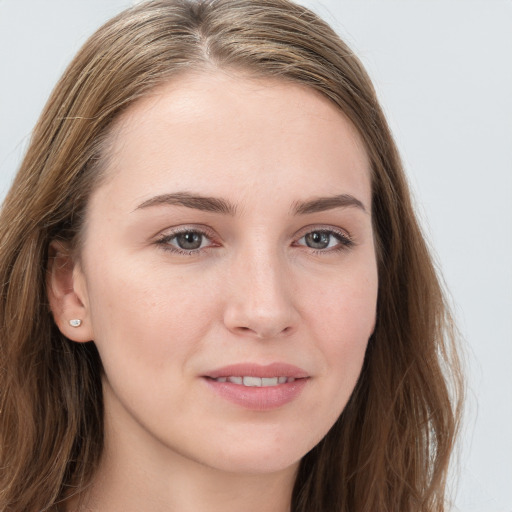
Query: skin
point(254, 292)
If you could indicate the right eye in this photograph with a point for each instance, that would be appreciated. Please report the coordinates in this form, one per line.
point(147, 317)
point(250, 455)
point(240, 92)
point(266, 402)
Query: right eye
point(188, 241)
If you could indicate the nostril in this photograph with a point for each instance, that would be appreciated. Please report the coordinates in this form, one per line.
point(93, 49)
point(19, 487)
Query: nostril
point(243, 330)
point(263, 333)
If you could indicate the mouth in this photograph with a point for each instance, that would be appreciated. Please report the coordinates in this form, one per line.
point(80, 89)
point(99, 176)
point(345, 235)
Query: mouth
point(255, 382)
point(258, 374)
point(258, 387)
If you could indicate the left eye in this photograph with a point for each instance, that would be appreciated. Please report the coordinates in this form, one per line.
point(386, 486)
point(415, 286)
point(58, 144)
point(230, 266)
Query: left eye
point(323, 239)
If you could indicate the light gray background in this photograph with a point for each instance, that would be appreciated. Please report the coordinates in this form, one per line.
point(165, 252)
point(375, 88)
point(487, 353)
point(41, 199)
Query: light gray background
point(443, 71)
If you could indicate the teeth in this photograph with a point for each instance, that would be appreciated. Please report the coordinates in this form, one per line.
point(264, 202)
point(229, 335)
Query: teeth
point(252, 381)
point(256, 381)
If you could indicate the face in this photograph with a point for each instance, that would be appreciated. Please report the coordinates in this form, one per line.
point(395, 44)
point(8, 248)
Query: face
point(228, 273)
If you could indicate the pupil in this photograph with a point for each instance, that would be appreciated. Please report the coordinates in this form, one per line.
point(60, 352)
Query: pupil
point(317, 240)
point(189, 240)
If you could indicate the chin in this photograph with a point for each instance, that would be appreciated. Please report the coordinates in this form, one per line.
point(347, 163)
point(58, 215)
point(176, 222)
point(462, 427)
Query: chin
point(257, 454)
point(256, 464)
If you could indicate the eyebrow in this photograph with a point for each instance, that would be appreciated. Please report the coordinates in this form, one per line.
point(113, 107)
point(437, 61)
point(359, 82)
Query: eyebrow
point(222, 206)
point(205, 204)
point(322, 204)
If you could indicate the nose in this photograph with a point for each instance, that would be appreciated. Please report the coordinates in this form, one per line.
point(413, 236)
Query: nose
point(259, 301)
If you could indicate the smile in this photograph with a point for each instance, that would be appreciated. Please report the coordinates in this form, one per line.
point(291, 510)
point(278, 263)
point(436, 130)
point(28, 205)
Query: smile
point(258, 387)
point(258, 382)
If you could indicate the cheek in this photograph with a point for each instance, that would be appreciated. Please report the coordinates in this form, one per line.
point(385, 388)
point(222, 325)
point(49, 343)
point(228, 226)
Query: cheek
point(147, 317)
point(339, 315)
point(346, 303)
point(342, 317)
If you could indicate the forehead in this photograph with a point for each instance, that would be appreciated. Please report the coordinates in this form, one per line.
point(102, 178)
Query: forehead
point(213, 130)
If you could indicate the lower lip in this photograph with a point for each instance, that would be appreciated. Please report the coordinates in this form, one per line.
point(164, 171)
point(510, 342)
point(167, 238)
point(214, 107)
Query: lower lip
point(264, 398)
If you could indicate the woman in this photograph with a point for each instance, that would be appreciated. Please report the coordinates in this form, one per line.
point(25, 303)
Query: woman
point(215, 294)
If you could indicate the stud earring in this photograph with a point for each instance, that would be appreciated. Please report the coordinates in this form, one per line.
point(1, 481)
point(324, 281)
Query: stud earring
point(76, 322)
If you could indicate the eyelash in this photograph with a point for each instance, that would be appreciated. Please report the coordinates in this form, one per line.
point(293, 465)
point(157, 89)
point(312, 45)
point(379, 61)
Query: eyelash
point(164, 241)
point(345, 241)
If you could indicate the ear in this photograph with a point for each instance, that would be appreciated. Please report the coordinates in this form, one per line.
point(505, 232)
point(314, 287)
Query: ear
point(67, 293)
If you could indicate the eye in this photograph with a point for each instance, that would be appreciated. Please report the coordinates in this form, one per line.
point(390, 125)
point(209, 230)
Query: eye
point(325, 239)
point(188, 241)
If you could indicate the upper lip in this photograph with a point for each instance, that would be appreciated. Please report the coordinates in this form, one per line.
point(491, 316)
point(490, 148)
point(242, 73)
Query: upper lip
point(258, 370)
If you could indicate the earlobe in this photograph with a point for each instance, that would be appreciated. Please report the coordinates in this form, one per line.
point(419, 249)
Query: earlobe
point(67, 294)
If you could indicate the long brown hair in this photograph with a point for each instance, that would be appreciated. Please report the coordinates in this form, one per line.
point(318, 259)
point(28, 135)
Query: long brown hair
point(391, 446)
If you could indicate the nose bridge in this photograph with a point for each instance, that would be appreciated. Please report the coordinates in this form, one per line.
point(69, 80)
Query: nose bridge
point(260, 301)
